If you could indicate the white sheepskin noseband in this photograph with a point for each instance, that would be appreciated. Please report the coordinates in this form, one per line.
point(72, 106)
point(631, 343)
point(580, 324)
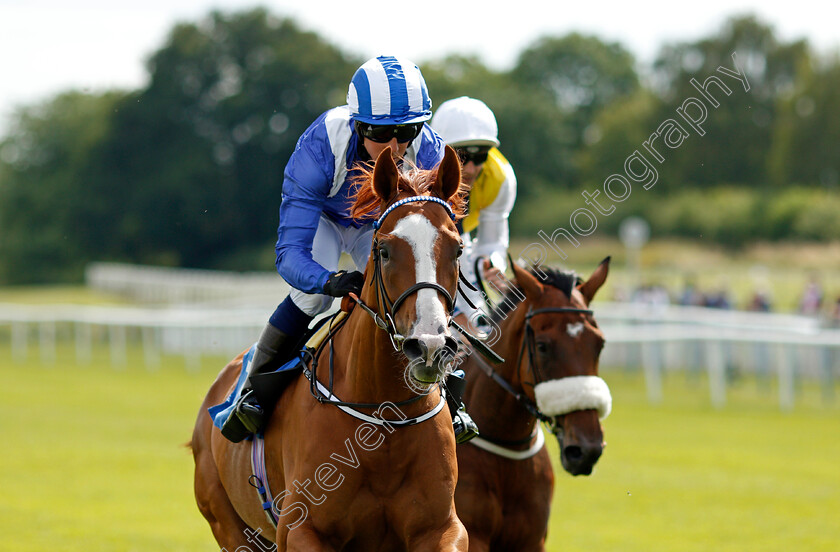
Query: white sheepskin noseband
point(561, 396)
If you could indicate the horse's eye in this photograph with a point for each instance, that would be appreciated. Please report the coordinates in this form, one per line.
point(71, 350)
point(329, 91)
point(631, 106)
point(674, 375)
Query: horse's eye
point(383, 253)
point(460, 249)
point(542, 347)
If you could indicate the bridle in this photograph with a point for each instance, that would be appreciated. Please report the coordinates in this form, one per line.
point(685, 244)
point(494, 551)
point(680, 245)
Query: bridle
point(529, 340)
point(324, 393)
point(529, 344)
point(390, 308)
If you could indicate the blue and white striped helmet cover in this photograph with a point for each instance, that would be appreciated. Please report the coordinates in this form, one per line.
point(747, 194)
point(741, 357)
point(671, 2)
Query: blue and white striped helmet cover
point(389, 91)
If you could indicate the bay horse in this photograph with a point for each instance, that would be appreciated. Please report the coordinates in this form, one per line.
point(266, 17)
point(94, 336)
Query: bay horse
point(378, 473)
point(551, 345)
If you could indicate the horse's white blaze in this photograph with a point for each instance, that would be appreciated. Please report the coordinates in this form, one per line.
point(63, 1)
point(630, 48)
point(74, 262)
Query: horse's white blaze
point(575, 329)
point(431, 325)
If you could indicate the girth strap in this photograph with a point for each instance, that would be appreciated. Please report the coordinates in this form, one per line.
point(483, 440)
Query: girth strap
point(259, 479)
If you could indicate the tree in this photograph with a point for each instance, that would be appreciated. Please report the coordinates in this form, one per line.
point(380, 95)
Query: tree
point(187, 171)
point(582, 75)
point(616, 132)
point(738, 131)
point(200, 152)
point(456, 75)
point(806, 140)
point(48, 215)
point(530, 124)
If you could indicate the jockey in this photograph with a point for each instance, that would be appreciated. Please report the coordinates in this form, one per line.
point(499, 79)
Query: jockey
point(469, 126)
point(387, 105)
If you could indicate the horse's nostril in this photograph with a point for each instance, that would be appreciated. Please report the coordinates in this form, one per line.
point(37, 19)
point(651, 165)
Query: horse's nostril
point(451, 345)
point(573, 453)
point(414, 349)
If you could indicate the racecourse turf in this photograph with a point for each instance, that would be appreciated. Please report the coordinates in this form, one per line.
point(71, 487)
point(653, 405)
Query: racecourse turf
point(92, 459)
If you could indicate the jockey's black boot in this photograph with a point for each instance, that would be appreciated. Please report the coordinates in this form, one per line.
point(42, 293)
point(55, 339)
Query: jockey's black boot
point(464, 426)
point(248, 416)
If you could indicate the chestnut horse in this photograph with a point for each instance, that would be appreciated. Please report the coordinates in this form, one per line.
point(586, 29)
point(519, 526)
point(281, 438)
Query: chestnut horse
point(377, 473)
point(551, 344)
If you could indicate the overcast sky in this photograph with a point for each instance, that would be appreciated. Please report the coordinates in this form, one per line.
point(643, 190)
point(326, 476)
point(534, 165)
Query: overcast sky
point(47, 46)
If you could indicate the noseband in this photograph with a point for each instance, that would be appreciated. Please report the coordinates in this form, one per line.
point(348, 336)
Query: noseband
point(387, 306)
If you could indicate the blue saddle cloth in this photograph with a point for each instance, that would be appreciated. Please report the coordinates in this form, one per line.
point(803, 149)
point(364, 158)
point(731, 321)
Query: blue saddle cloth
point(221, 412)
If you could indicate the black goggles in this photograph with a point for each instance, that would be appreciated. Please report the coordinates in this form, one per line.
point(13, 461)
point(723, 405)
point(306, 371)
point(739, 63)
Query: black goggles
point(386, 133)
point(476, 154)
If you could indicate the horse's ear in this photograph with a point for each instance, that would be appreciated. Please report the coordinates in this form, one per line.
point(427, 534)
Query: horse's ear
point(448, 175)
point(385, 175)
point(590, 287)
point(528, 282)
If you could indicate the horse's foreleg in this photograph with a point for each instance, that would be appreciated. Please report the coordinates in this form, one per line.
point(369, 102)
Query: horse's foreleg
point(479, 543)
point(303, 539)
point(452, 539)
point(227, 527)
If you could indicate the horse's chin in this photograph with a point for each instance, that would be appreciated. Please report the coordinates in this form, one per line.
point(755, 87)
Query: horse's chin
point(574, 459)
point(426, 375)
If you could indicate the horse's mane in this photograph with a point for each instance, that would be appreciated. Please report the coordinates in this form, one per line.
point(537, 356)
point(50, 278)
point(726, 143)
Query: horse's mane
point(564, 280)
point(413, 182)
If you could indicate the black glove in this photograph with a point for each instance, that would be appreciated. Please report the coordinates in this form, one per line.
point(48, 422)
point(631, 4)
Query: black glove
point(342, 283)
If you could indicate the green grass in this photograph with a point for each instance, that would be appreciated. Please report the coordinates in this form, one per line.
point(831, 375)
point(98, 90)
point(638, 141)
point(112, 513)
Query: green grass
point(93, 461)
point(94, 457)
point(684, 476)
point(52, 294)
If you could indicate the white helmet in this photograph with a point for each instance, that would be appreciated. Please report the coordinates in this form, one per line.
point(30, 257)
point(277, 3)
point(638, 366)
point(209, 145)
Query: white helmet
point(466, 121)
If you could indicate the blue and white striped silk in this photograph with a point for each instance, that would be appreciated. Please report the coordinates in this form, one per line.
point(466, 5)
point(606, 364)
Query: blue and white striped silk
point(388, 91)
